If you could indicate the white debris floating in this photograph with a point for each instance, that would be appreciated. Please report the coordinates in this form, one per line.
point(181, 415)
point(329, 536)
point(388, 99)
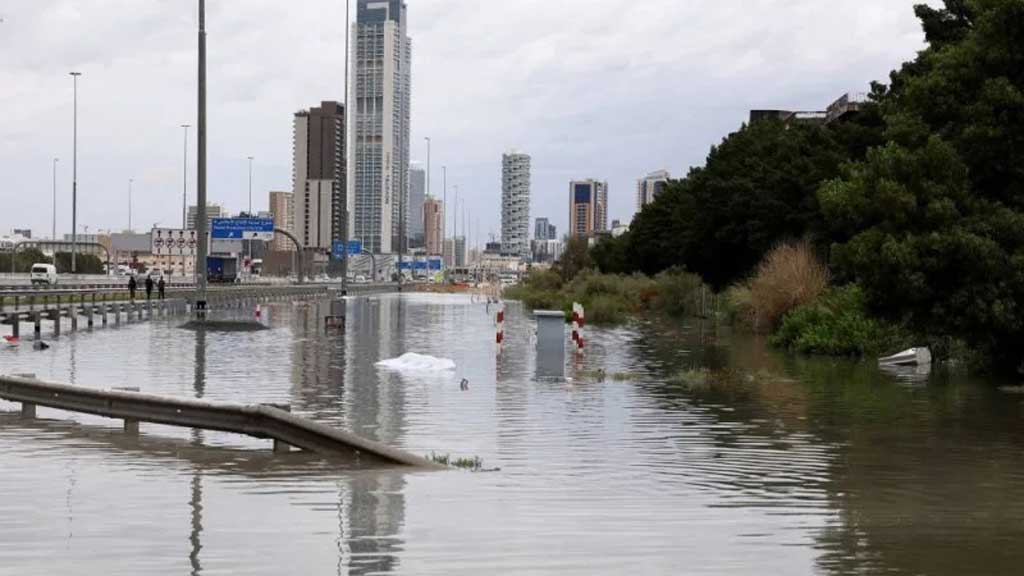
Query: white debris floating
point(912, 357)
point(413, 362)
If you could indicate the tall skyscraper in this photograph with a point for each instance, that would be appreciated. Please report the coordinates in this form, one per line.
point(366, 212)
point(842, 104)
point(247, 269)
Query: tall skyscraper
point(417, 194)
point(544, 230)
point(588, 207)
point(381, 93)
point(649, 187)
point(540, 229)
point(282, 210)
point(515, 204)
point(433, 217)
point(318, 177)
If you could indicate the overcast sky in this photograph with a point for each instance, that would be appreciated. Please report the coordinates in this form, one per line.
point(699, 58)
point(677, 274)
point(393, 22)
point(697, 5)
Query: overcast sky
point(608, 89)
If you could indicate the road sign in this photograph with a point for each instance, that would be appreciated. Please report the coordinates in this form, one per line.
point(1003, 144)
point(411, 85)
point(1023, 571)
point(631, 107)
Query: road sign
point(355, 248)
point(173, 242)
point(243, 229)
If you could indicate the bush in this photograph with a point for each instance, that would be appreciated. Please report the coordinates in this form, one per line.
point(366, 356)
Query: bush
point(611, 298)
point(677, 293)
point(791, 275)
point(738, 307)
point(838, 324)
point(606, 309)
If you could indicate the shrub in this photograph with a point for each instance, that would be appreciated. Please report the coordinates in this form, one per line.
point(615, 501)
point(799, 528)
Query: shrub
point(677, 293)
point(839, 325)
point(791, 275)
point(738, 307)
point(606, 309)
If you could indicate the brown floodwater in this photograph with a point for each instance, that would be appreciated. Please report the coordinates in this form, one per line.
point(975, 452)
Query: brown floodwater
point(700, 452)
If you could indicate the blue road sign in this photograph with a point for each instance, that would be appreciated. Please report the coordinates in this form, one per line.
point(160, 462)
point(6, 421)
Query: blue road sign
point(242, 229)
point(422, 265)
point(355, 248)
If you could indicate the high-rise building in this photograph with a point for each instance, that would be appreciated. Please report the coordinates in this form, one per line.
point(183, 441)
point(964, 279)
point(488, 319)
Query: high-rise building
point(417, 194)
point(433, 217)
point(588, 207)
point(212, 211)
point(460, 251)
point(318, 175)
point(649, 187)
point(515, 204)
point(544, 230)
point(540, 229)
point(381, 93)
point(282, 210)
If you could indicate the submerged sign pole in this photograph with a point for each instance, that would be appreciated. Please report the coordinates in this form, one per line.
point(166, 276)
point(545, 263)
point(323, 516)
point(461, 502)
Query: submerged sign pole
point(201, 217)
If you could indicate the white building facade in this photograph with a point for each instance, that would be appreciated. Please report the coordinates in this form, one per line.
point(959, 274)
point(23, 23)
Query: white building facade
point(378, 154)
point(515, 204)
point(649, 187)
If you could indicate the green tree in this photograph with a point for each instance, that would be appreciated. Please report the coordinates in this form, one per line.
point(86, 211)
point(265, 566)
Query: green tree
point(575, 259)
point(757, 189)
point(932, 224)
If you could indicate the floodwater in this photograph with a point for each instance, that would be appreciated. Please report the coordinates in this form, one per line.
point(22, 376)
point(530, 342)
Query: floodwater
point(772, 465)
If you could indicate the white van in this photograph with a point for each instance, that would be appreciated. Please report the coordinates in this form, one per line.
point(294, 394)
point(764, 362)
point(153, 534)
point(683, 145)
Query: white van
point(43, 274)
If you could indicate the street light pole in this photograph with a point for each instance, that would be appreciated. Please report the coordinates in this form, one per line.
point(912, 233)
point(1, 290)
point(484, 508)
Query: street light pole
point(428, 172)
point(74, 182)
point(348, 117)
point(444, 210)
point(130, 182)
point(250, 208)
point(184, 182)
point(53, 232)
point(201, 223)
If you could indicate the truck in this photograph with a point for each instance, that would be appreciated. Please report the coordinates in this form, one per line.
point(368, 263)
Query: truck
point(221, 269)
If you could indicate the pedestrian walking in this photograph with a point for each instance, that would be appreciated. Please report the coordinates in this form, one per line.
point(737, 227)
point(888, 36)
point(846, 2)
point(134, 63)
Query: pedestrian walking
point(132, 286)
point(161, 286)
point(149, 287)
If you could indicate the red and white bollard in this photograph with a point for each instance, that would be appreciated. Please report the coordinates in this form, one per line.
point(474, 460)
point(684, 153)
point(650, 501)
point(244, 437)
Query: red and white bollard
point(578, 322)
point(500, 337)
point(259, 312)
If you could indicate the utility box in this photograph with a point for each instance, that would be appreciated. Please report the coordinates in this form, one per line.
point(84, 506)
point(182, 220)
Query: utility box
point(550, 344)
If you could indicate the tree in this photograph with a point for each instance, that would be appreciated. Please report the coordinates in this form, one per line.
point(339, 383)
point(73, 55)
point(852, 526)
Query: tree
point(932, 223)
point(757, 189)
point(611, 255)
point(575, 259)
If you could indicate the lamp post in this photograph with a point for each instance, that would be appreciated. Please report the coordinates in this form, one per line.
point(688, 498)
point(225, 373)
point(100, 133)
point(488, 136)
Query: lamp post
point(53, 232)
point(249, 243)
point(184, 182)
point(130, 182)
point(444, 209)
point(428, 173)
point(344, 209)
point(201, 223)
point(74, 181)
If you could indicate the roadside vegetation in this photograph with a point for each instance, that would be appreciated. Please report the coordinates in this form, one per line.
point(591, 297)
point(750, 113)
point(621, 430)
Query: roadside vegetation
point(23, 261)
point(611, 298)
point(901, 223)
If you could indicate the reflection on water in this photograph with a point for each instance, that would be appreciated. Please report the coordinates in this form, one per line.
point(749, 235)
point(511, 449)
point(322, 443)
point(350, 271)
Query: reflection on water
point(702, 452)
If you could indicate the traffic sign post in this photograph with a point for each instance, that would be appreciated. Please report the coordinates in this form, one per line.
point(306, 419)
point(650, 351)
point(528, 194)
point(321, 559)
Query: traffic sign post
point(355, 248)
point(243, 229)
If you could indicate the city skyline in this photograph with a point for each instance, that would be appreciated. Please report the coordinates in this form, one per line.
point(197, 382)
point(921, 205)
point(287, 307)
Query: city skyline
point(249, 116)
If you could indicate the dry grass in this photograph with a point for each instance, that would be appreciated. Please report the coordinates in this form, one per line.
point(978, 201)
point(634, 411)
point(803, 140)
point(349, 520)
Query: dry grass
point(791, 275)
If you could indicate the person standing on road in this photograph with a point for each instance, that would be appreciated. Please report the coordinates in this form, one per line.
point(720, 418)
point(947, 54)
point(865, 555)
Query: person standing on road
point(161, 286)
point(149, 287)
point(132, 286)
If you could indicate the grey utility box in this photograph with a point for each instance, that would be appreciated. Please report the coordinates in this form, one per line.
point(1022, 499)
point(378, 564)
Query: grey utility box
point(550, 344)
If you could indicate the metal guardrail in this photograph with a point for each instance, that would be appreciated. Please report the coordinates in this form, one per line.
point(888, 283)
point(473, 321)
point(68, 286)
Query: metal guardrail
point(259, 421)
